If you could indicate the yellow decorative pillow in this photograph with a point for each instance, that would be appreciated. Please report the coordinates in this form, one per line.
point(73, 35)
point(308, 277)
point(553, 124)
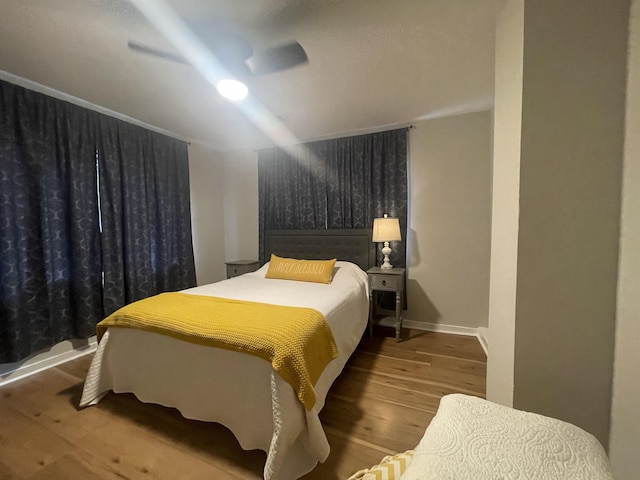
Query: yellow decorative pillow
point(319, 271)
point(390, 468)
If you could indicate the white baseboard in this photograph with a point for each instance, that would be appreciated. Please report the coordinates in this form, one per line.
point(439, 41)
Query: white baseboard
point(483, 338)
point(60, 353)
point(481, 333)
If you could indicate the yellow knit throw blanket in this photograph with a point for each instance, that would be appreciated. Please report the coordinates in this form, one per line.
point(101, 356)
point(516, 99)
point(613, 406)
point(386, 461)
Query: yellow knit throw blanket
point(297, 341)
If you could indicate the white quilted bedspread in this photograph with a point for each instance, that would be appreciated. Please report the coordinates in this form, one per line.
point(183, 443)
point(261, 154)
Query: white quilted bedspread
point(472, 439)
point(237, 390)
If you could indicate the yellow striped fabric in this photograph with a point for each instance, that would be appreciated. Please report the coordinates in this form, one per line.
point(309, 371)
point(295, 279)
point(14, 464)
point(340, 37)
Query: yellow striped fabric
point(297, 341)
point(390, 468)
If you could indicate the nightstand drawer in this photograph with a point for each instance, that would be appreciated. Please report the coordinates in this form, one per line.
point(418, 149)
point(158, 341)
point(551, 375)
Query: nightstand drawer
point(385, 282)
point(241, 267)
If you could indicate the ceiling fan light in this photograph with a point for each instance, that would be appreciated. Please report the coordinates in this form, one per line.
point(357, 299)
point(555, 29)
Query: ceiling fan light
point(232, 89)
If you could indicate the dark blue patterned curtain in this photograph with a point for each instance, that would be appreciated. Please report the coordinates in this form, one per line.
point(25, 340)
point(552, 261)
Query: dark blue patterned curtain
point(341, 183)
point(293, 183)
point(50, 273)
point(54, 159)
point(146, 217)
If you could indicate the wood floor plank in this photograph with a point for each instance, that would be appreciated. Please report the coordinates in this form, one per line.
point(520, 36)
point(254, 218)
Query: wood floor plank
point(78, 465)
point(460, 346)
point(366, 384)
point(78, 367)
point(26, 447)
point(452, 345)
point(209, 442)
point(404, 350)
point(62, 416)
point(423, 372)
point(395, 427)
point(48, 383)
point(346, 457)
point(389, 364)
point(459, 365)
point(425, 386)
point(424, 360)
point(136, 455)
point(6, 473)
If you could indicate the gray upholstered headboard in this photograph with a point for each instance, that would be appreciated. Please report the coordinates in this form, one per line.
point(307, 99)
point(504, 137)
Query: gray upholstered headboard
point(349, 245)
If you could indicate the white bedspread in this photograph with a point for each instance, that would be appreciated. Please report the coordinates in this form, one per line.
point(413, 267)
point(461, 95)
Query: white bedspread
point(471, 439)
point(237, 390)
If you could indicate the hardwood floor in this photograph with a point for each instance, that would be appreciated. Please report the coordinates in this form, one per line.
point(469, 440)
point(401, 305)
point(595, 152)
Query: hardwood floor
point(381, 404)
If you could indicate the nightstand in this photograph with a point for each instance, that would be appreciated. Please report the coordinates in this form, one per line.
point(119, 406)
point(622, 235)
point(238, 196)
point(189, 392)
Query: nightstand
point(386, 280)
point(240, 267)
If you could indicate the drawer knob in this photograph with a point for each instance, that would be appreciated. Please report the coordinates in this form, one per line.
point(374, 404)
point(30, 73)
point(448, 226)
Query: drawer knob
point(384, 283)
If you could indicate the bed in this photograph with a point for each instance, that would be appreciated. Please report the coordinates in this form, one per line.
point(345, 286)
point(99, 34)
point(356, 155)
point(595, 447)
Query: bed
point(471, 438)
point(241, 391)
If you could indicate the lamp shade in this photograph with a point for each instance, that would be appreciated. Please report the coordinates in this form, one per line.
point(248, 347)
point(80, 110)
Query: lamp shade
point(386, 229)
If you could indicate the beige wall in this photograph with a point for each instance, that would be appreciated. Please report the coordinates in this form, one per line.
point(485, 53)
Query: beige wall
point(574, 76)
point(450, 220)
point(571, 167)
point(205, 167)
point(624, 444)
point(224, 209)
point(241, 205)
point(506, 202)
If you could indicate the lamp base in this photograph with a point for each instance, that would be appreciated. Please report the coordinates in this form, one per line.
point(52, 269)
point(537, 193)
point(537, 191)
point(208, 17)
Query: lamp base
point(386, 251)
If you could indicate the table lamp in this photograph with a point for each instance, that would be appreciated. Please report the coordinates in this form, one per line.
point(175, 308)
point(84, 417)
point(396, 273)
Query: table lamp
point(386, 230)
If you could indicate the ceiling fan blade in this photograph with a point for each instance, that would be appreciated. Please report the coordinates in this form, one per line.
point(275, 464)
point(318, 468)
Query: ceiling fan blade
point(232, 59)
point(277, 58)
point(157, 53)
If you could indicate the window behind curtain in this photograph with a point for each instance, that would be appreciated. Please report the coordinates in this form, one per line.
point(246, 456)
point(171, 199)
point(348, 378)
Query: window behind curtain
point(146, 217)
point(60, 182)
point(337, 183)
point(50, 256)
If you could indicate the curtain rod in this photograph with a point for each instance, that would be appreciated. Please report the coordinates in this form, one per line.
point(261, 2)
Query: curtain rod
point(352, 133)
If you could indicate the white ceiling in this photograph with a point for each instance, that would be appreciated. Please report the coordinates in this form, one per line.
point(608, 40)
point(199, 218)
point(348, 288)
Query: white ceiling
point(372, 63)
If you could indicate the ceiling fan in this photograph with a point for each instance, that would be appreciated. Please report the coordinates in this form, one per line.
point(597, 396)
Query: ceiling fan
point(237, 55)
